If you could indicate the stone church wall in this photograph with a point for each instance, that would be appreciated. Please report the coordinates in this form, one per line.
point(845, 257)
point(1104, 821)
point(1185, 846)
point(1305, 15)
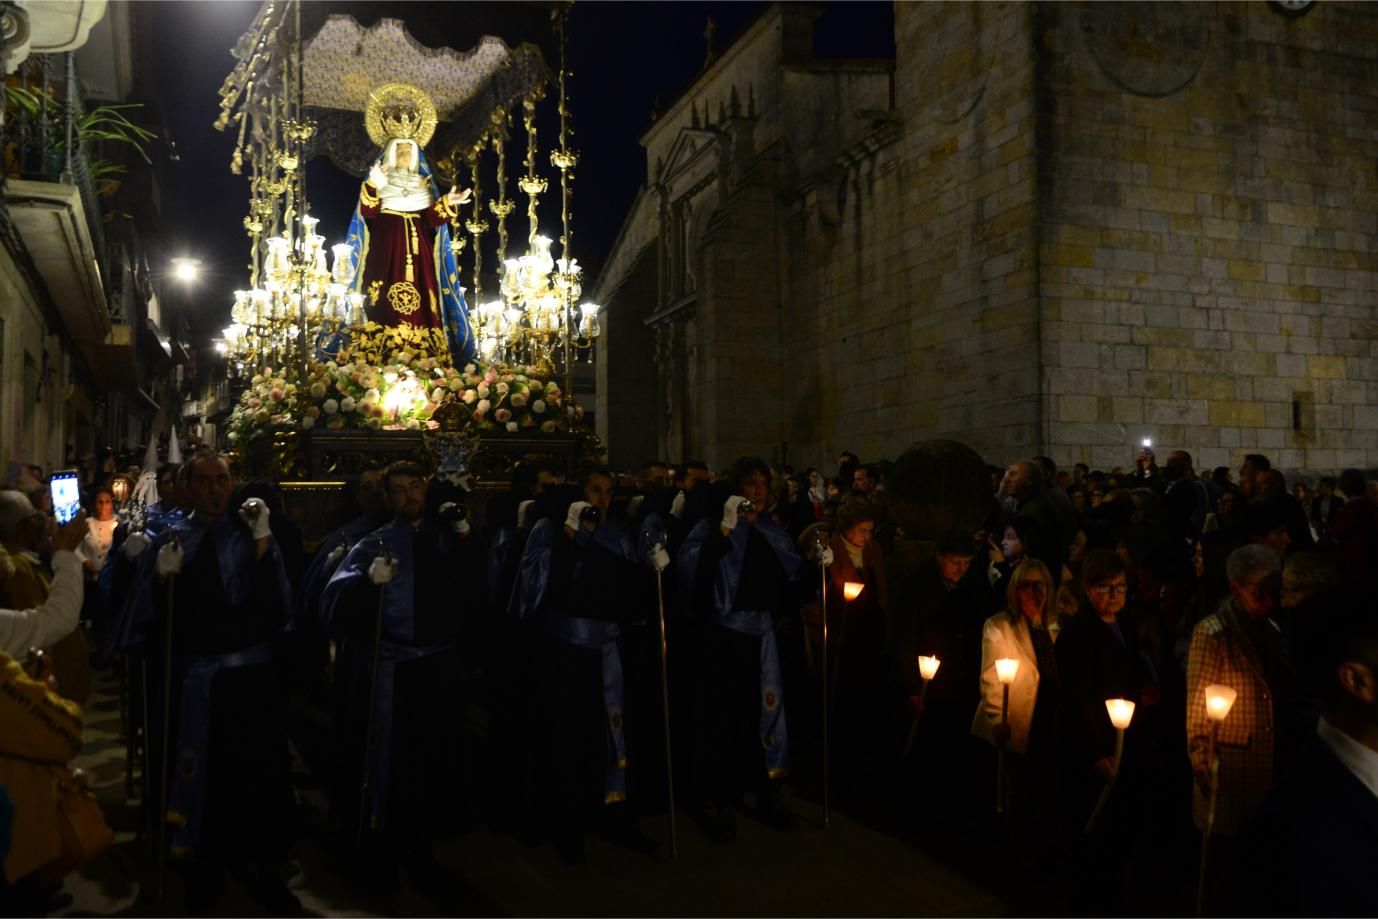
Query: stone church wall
point(1208, 205)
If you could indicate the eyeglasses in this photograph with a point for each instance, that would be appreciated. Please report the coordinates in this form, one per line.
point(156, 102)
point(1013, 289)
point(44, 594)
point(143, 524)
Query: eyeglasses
point(1111, 589)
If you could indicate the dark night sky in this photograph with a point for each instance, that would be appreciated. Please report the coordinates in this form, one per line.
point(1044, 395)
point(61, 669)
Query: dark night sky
point(625, 58)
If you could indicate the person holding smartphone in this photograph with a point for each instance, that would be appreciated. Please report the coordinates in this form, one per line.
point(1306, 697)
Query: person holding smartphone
point(28, 619)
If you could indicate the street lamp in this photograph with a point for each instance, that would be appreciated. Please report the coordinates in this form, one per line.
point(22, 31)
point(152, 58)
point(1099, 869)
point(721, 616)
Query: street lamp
point(186, 270)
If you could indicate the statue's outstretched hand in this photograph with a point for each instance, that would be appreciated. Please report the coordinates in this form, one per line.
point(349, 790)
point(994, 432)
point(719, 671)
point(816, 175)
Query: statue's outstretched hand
point(455, 197)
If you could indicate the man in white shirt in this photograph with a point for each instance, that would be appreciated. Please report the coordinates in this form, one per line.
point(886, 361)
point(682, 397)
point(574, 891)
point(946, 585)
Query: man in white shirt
point(1315, 839)
point(57, 617)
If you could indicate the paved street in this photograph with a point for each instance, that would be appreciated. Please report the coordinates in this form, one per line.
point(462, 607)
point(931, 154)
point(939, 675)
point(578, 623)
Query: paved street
point(848, 869)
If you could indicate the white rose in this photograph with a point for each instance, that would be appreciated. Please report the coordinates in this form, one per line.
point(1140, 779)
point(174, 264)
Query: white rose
point(483, 391)
point(502, 389)
point(483, 406)
point(538, 406)
point(512, 427)
point(308, 422)
point(347, 404)
point(330, 406)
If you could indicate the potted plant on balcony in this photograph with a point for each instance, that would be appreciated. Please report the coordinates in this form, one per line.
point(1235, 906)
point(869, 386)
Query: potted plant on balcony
point(102, 123)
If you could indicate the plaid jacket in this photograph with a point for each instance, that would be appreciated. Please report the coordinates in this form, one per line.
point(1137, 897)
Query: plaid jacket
point(1221, 652)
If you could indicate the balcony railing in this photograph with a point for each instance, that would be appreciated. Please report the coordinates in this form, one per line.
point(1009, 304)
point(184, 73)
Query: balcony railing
point(48, 146)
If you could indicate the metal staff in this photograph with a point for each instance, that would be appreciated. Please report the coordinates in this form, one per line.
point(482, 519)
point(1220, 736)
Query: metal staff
point(365, 791)
point(665, 706)
point(166, 748)
point(823, 601)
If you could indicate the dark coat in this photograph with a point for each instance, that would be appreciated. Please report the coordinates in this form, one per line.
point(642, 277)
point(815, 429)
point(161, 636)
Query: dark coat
point(1313, 844)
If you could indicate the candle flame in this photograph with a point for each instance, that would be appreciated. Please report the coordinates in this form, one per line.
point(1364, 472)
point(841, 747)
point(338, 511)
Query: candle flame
point(928, 666)
point(851, 590)
point(1219, 701)
point(1005, 670)
point(1121, 712)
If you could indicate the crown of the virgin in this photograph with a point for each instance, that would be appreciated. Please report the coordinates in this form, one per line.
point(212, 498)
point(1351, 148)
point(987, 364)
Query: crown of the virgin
point(399, 111)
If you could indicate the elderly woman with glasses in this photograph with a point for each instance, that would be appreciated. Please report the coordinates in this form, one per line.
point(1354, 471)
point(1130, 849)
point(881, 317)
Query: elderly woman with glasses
point(1099, 658)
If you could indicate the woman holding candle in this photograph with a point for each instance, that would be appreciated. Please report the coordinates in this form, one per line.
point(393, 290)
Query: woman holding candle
point(1025, 631)
point(1099, 658)
point(856, 629)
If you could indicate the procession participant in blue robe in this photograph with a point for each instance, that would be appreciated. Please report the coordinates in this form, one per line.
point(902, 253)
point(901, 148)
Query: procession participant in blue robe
point(740, 574)
point(581, 581)
point(424, 574)
point(312, 644)
point(229, 793)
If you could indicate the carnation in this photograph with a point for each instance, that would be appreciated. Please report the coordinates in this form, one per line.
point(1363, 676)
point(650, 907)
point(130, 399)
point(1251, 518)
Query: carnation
point(548, 427)
point(455, 384)
point(483, 406)
point(469, 396)
point(483, 391)
point(538, 406)
point(331, 406)
point(470, 368)
point(276, 395)
point(437, 394)
point(308, 422)
point(347, 404)
point(512, 427)
point(318, 390)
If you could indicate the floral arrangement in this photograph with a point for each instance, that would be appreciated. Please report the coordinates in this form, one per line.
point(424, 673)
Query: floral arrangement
point(400, 392)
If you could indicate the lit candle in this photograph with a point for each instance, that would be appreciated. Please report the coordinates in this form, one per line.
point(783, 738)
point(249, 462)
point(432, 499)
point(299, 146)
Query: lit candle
point(1121, 712)
point(1219, 701)
point(851, 590)
point(928, 667)
point(1006, 668)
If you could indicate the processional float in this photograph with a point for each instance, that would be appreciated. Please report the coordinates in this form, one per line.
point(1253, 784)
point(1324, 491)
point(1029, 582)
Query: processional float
point(342, 360)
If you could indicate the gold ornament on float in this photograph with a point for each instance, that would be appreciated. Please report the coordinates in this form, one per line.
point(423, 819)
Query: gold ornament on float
point(399, 111)
point(404, 297)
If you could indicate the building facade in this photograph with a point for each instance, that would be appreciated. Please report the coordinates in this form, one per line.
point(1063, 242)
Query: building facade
point(1041, 228)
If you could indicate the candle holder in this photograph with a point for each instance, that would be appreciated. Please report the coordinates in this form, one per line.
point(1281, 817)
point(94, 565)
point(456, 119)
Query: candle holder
point(1006, 669)
point(1219, 700)
point(1121, 712)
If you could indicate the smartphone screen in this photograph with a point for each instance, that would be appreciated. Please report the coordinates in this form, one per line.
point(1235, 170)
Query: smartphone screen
point(66, 495)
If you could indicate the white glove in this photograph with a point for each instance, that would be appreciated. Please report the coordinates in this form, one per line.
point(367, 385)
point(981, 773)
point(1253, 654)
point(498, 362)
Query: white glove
point(677, 506)
point(524, 514)
point(377, 177)
point(729, 512)
point(335, 555)
point(658, 558)
point(459, 526)
point(822, 556)
point(255, 513)
point(169, 560)
point(572, 518)
point(382, 570)
point(135, 545)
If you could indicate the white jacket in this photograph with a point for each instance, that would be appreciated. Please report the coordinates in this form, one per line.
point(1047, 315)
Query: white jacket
point(1000, 639)
point(22, 629)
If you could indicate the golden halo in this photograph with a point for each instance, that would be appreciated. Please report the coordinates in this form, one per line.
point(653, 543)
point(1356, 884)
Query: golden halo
point(399, 110)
